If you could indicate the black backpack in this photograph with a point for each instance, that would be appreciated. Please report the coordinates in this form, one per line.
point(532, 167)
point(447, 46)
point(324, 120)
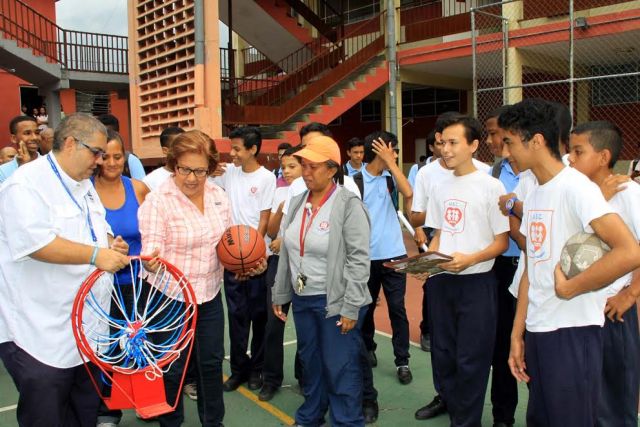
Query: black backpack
point(391, 186)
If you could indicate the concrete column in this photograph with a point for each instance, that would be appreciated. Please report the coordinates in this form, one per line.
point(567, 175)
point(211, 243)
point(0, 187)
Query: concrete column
point(513, 74)
point(52, 99)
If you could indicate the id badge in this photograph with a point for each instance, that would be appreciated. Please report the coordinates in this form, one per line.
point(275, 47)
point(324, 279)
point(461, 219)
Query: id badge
point(301, 281)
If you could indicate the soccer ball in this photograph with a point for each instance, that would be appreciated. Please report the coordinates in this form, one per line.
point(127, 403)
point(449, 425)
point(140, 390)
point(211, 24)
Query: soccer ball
point(581, 250)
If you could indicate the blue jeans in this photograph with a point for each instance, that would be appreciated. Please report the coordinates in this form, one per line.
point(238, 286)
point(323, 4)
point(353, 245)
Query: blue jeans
point(331, 365)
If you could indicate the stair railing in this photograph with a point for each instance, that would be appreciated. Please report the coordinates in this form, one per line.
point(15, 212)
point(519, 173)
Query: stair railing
point(273, 100)
point(73, 50)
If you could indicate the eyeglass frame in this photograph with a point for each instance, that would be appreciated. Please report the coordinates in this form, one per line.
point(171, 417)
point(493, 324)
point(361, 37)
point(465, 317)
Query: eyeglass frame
point(195, 172)
point(97, 152)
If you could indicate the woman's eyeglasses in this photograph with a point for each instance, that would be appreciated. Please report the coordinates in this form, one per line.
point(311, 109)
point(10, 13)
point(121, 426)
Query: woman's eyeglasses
point(198, 173)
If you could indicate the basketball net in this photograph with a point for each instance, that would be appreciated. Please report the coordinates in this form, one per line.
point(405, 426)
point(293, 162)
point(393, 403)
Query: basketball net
point(133, 333)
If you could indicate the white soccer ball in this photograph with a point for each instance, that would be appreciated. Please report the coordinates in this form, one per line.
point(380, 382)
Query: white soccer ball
point(581, 250)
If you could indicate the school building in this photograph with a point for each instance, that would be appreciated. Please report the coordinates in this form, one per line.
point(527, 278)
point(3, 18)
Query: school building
point(290, 62)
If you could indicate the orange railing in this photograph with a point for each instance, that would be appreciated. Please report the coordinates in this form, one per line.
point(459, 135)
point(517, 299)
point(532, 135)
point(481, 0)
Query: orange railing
point(275, 99)
point(73, 50)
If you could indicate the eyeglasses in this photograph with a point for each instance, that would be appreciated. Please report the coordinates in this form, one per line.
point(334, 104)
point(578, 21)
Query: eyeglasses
point(97, 152)
point(198, 173)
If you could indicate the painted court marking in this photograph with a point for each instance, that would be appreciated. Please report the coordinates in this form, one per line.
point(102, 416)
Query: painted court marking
point(286, 419)
point(8, 408)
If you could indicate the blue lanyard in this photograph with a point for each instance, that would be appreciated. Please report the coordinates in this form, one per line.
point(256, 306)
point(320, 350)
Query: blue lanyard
point(55, 170)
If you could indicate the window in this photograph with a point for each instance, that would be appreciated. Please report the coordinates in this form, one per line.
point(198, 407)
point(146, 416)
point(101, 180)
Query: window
point(370, 111)
point(429, 101)
point(354, 10)
point(615, 90)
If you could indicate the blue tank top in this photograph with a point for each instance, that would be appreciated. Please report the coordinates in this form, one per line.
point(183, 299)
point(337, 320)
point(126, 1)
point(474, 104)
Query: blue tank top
point(124, 222)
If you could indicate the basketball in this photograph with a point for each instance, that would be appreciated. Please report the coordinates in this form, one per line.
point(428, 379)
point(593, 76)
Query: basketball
point(241, 248)
point(580, 251)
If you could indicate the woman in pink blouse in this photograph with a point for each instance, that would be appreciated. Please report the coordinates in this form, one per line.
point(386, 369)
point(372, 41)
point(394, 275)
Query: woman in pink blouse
point(182, 221)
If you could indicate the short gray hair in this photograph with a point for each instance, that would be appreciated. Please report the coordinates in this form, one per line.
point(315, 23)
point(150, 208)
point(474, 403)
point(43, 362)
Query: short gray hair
point(80, 126)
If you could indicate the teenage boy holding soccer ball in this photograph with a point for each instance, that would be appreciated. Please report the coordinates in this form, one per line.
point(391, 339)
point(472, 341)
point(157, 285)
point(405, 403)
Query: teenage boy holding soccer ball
point(468, 226)
point(561, 355)
point(594, 150)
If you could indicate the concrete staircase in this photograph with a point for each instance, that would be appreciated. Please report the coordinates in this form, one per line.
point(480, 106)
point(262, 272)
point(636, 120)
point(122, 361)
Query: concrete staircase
point(334, 103)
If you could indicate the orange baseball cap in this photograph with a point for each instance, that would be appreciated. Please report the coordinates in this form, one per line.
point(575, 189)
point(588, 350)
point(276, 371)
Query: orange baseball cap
point(320, 149)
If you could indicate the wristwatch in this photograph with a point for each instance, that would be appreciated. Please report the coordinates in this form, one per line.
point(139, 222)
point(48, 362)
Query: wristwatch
point(510, 204)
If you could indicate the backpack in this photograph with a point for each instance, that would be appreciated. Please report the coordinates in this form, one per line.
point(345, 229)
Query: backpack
point(359, 180)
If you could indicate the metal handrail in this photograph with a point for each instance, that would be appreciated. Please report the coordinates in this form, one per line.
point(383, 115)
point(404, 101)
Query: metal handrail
point(73, 50)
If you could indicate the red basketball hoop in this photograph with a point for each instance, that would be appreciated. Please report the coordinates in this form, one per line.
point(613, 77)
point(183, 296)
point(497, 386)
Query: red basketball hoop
point(133, 337)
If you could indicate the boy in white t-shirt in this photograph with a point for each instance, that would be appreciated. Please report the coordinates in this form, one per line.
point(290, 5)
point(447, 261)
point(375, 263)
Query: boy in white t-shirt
point(158, 176)
point(250, 188)
point(562, 317)
point(594, 150)
point(469, 226)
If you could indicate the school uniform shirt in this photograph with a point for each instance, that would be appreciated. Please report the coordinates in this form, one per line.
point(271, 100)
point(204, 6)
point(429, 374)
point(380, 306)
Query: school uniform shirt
point(554, 212)
point(156, 178)
point(351, 170)
point(386, 235)
point(413, 172)
point(279, 197)
point(298, 187)
point(465, 210)
point(37, 297)
point(429, 177)
point(9, 168)
point(249, 194)
point(625, 203)
point(526, 184)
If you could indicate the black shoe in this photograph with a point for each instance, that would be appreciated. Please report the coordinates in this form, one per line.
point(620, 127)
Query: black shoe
point(502, 424)
point(267, 392)
point(233, 382)
point(433, 409)
point(370, 411)
point(372, 358)
point(255, 381)
point(404, 374)
point(425, 342)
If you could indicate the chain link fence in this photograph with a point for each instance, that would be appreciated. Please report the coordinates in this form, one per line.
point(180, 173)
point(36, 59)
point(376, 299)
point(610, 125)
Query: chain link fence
point(581, 53)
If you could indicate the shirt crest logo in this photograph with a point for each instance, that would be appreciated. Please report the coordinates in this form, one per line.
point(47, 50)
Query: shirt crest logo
point(539, 238)
point(254, 190)
point(454, 216)
point(323, 226)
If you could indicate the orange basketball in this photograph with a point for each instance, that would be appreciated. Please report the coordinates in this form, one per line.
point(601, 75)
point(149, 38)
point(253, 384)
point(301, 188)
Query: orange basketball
point(241, 248)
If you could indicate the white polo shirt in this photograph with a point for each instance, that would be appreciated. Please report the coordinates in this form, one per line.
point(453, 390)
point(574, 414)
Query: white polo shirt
point(37, 297)
point(156, 178)
point(465, 210)
point(553, 212)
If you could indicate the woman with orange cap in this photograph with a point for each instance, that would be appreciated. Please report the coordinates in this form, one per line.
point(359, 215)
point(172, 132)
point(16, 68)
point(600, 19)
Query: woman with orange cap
point(323, 270)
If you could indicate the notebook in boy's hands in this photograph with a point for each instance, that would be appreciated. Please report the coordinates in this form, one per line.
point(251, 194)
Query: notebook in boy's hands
point(426, 262)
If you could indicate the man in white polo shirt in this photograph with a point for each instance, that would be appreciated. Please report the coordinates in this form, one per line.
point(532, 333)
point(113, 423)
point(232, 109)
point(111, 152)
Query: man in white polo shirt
point(53, 232)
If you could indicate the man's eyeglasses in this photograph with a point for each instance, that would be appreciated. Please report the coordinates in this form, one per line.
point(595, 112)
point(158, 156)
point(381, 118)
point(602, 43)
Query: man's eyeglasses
point(198, 173)
point(97, 152)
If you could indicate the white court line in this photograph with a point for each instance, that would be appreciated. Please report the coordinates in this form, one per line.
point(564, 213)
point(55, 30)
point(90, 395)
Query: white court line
point(384, 334)
point(8, 408)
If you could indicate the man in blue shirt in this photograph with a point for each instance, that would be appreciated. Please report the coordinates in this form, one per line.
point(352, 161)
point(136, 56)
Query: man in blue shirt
point(25, 137)
point(377, 179)
point(504, 390)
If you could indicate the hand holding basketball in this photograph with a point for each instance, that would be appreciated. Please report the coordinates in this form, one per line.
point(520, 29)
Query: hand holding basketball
point(110, 261)
point(257, 270)
point(241, 250)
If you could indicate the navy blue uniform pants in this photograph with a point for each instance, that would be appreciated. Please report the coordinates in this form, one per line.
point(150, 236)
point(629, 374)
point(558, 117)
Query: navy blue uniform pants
point(565, 367)
point(50, 396)
point(247, 312)
point(394, 286)
point(504, 387)
point(463, 315)
point(618, 404)
point(272, 373)
point(331, 365)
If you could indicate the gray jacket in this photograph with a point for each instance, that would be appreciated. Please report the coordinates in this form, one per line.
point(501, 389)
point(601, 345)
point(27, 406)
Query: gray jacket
point(347, 261)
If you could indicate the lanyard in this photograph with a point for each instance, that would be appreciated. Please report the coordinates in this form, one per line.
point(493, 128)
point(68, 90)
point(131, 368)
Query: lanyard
point(55, 170)
point(304, 230)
